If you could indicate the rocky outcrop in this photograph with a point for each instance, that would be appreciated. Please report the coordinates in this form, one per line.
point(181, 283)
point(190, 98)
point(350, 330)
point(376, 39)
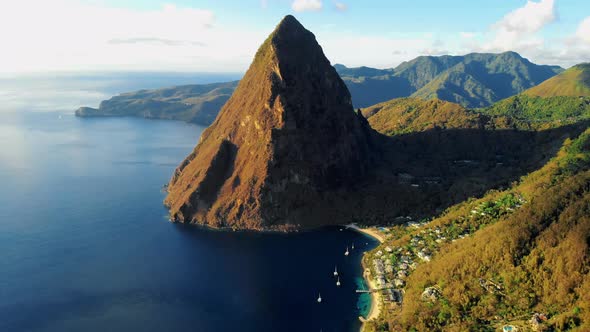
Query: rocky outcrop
point(286, 141)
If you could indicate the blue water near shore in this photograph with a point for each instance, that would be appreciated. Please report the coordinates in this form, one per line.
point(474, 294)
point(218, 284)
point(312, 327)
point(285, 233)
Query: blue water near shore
point(86, 245)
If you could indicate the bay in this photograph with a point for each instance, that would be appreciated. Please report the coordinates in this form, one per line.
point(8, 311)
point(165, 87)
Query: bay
point(86, 244)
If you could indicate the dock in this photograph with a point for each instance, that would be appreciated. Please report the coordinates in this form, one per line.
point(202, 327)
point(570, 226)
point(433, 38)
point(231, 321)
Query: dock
point(373, 290)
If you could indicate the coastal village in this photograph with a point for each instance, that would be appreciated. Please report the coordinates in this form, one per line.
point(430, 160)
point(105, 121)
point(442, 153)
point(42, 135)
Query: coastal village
point(404, 247)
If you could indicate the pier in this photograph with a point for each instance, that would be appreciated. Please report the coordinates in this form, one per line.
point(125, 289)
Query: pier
point(372, 290)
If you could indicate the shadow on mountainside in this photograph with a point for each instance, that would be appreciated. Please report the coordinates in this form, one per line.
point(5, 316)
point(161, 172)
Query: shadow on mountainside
point(421, 174)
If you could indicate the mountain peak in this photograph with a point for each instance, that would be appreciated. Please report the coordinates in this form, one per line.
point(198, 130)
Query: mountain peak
point(289, 23)
point(290, 40)
point(286, 138)
point(512, 53)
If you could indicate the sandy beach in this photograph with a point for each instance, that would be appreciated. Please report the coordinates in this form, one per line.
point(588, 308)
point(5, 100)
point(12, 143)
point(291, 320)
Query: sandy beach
point(375, 296)
point(375, 300)
point(372, 232)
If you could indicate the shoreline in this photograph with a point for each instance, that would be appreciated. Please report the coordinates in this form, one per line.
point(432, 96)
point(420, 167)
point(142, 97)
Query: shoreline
point(375, 310)
point(367, 231)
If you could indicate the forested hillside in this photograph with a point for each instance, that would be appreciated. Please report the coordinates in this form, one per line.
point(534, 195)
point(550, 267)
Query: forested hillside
point(502, 258)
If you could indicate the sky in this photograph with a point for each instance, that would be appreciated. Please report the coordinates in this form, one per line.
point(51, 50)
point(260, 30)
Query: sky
point(223, 35)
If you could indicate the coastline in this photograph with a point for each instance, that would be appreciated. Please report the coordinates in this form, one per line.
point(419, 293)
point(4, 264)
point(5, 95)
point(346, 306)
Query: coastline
point(367, 231)
point(375, 310)
point(376, 301)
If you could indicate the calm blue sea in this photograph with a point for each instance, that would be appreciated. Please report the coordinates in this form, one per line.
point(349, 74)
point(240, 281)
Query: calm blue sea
point(85, 244)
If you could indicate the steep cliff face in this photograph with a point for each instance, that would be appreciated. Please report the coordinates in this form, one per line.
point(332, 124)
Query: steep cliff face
point(285, 140)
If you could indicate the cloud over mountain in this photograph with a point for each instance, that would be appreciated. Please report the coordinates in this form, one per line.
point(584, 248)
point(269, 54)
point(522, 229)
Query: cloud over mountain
point(307, 5)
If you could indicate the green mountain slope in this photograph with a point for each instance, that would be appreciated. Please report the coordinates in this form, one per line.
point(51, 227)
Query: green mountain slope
point(369, 86)
point(537, 109)
point(197, 103)
point(527, 247)
point(522, 111)
point(472, 80)
point(482, 79)
point(573, 82)
point(496, 261)
point(423, 69)
point(404, 115)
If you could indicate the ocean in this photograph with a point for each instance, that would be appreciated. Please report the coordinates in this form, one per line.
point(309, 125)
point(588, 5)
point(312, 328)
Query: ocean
point(85, 241)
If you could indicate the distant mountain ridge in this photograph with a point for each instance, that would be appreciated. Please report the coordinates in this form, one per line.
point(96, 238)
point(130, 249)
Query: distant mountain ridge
point(472, 80)
point(195, 103)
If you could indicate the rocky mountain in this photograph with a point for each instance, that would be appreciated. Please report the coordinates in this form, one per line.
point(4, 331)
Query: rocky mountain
point(573, 82)
point(472, 80)
point(284, 141)
point(196, 103)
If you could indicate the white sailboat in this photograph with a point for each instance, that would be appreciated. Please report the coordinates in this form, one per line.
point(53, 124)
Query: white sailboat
point(346, 252)
point(335, 271)
point(320, 298)
point(338, 282)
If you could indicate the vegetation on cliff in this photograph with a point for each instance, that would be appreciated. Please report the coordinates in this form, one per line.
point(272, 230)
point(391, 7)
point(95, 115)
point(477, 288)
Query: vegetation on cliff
point(514, 259)
point(526, 255)
point(518, 256)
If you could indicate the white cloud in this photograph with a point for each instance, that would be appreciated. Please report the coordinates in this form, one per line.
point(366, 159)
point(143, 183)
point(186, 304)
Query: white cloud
point(530, 18)
point(84, 35)
point(521, 31)
point(583, 32)
point(373, 51)
point(74, 35)
point(340, 6)
point(437, 47)
point(306, 5)
point(574, 49)
point(517, 29)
